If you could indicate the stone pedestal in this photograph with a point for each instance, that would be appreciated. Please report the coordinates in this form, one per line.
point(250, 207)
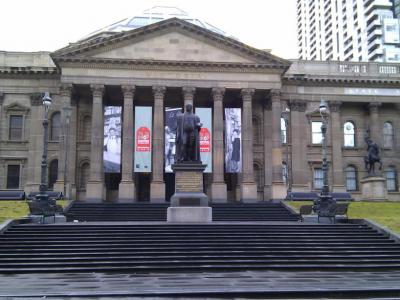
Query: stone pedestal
point(279, 191)
point(95, 191)
point(47, 220)
point(219, 193)
point(374, 188)
point(126, 191)
point(189, 203)
point(248, 192)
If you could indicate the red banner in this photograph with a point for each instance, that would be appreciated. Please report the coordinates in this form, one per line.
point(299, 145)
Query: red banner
point(143, 139)
point(205, 140)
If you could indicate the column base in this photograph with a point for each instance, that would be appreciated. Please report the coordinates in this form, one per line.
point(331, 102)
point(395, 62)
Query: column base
point(95, 191)
point(278, 191)
point(126, 191)
point(157, 192)
point(219, 192)
point(248, 193)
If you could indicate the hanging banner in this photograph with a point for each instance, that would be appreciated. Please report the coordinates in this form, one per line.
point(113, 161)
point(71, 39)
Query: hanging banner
point(205, 116)
point(171, 114)
point(233, 140)
point(112, 139)
point(143, 136)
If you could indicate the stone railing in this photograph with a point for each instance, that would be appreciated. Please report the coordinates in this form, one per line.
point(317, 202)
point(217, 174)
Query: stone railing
point(344, 68)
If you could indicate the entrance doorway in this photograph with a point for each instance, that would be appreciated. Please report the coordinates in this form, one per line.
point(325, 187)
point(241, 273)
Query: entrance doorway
point(143, 187)
point(169, 179)
point(112, 181)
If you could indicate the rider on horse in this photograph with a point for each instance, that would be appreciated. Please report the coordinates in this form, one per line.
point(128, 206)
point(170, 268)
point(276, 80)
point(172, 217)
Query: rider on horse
point(372, 157)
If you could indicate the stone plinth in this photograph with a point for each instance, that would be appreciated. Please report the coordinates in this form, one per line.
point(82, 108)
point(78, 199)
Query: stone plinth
point(189, 203)
point(374, 188)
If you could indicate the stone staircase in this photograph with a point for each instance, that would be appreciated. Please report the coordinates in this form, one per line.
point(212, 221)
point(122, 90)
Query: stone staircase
point(83, 211)
point(218, 247)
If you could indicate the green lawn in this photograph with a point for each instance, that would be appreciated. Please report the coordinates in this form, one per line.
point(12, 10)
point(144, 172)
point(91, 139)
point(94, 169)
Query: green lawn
point(17, 209)
point(384, 213)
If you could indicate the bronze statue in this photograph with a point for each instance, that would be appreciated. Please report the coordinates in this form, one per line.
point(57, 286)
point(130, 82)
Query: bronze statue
point(187, 136)
point(372, 157)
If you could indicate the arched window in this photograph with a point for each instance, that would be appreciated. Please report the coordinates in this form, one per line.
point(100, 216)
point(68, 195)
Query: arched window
point(86, 128)
point(53, 172)
point(55, 129)
point(283, 131)
point(388, 135)
point(391, 179)
point(84, 175)
point(351, 178)
point(349, 134)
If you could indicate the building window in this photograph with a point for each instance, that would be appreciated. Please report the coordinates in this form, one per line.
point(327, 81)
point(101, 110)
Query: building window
point(351, 178)
point(388, 135)
point(283, 131)
point(391, 179)
point(318, 179)
point(53, 173)
point(55, 129)
point(285, 173)
point(13, 172)
point(16, 128)
point(349, 134)
point(84, 176)
point(316, 132)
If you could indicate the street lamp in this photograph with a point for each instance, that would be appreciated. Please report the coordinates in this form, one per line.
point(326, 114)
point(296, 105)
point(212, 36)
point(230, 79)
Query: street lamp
point(67, 111)
point(324, 205)
point(43, 196)
point(285, 115)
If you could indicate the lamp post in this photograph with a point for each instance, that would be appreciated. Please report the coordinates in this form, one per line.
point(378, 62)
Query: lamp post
point(324, 205)
point(285, 115)
point(43, 196)
point(67, 113)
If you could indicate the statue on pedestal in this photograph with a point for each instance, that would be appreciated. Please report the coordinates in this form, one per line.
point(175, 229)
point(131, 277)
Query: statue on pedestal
point(187, 136)
point(372, 157)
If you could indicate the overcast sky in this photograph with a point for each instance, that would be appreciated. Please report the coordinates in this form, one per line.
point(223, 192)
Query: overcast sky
point(47, 25)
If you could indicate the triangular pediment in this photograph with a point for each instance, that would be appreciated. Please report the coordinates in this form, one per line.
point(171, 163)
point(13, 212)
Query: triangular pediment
point(170, 40)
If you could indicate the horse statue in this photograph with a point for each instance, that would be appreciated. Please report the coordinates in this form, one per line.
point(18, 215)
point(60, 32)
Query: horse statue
point(372, 157)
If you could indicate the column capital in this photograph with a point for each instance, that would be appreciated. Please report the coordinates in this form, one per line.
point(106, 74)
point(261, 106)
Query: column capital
point(247, 94)
point(36, 99)
point(334, 106)
point(1, 98)
point(374, 106)
point(97, 90)
point(66, 90)
point(275, 95)
point(298, 105)
point(188, 91)
point(158, 91)
point(218, 93)
point(128, 91)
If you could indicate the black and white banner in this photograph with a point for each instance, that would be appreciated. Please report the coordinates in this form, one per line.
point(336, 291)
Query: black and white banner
point(233, 140)
point(171, 114)
point(112, 139)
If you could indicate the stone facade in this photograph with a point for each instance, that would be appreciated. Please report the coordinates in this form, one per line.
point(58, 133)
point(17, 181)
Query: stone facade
point(174, 62)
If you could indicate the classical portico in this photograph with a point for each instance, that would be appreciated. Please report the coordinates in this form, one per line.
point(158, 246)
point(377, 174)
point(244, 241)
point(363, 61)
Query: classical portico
point(170, 64)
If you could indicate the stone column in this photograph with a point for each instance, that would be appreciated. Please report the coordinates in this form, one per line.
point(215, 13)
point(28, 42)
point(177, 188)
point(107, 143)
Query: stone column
point(127, 185)
point(65, 93)
point(300, 171)
point(336, 142)
point(35, 145)
point(267, 150)
point(218, 186)
point(95, 189)
point(1, 114)
point(278, 186)
point(375, 128)
point(248, 192)
point(188, 94)
point(157, 186)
